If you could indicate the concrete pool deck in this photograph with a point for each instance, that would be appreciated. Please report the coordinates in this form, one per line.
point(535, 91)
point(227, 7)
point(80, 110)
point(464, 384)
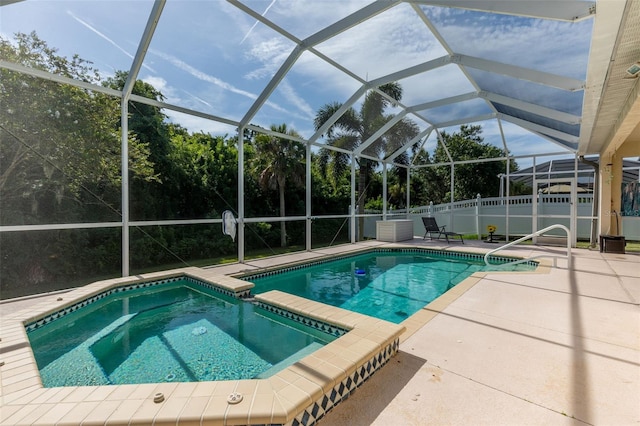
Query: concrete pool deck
point(562, 347)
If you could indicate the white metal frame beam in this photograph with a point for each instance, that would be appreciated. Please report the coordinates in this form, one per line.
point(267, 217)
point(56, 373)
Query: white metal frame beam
point(545, 78)
point(489, 160)
point(423, 134)
point(504, 100)
point(378, 134)
point(147, 35)
point(562, 10)
point(411, 71)
point(531, 108)
point(326, 33)
point(339, 113)
point(465, 120)
point(445, 101)
point(572, 141)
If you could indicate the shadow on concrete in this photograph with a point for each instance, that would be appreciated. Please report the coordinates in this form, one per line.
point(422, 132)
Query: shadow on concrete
point(580, 387)
point(575, 316)
point(370, 399)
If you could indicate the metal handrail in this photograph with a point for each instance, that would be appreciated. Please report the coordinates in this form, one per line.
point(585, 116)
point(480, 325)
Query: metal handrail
point(526, 237)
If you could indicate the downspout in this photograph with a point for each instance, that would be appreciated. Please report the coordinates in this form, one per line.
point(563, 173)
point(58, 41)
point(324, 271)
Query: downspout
point(596, 196)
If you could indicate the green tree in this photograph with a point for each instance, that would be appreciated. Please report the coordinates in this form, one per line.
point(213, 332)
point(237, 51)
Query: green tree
point(206, 172)
point(426, 184)
point(59, 143)
point(474, 178)
point(149, 199)
point(277, 161)
point(59, 162)
point(353, 128)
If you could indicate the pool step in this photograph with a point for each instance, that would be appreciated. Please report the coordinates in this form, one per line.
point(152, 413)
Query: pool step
point(290, 360)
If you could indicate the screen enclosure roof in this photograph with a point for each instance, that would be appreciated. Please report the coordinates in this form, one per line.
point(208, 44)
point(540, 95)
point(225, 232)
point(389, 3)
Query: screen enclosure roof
point(541, 77)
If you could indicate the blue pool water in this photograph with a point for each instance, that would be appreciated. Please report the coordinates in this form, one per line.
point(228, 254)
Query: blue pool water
point(170, 332)
point(387, 285)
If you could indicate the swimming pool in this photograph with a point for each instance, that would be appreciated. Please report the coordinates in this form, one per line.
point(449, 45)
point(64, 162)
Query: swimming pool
point(387, 284)
point(173, 332)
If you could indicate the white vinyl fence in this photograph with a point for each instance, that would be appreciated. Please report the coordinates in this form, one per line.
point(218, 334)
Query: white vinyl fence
point(512, 216)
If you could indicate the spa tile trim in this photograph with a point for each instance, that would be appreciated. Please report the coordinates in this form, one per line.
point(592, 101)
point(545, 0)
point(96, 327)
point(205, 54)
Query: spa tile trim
point(34, 325)
point(304, 319)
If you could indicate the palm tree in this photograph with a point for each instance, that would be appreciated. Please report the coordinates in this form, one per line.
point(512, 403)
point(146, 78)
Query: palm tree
point(353, 128)
point(279, 159)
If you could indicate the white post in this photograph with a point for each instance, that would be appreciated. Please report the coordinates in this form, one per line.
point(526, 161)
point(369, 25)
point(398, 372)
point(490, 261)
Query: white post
point(241, 195)
point(353, 199)
point(384, 191)
point(574, 204)
point(124, 161)
point(478, 201)
point(506, 216)
point(452, 198)
point(408, 190)
point(308, 198)
point(535, 199)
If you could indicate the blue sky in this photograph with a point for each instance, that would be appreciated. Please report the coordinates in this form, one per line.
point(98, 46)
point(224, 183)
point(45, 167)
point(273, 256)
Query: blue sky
point(213, 57)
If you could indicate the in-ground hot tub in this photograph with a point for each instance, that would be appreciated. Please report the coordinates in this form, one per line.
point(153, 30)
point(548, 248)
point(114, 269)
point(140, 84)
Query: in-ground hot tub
point(172, 330)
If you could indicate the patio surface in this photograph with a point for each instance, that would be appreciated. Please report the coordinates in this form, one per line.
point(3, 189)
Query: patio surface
point(561, 347)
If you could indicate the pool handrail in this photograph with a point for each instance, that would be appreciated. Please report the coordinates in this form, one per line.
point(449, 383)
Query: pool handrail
point(533, 234)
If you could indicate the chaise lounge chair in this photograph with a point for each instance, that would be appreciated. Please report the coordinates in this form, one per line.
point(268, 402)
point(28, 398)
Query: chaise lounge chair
point(431, 227)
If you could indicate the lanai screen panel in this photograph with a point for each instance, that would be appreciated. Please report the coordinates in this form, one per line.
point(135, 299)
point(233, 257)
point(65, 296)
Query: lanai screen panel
point(310, 84)
point(209, 57)
point(524, 68)
point(383, 44)
point(302, 19)
point(546, 45)
point(106, 33)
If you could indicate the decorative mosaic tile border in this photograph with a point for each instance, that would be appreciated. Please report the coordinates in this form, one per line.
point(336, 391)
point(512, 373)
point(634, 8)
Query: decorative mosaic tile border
point(310, 322)
point(251, 276)
point(457, 255)
point(127, 287)
point(316, 411)
point(431, 252)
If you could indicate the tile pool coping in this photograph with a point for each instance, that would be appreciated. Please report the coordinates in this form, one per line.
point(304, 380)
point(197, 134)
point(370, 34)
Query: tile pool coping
point(428, 312)
point(448, 254)
point(299, 394)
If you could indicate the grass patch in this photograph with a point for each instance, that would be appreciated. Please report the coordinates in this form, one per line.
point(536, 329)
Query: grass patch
point(631, 247)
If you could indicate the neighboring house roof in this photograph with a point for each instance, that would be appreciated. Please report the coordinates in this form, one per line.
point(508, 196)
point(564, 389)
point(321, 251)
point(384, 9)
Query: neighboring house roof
point(564, 169)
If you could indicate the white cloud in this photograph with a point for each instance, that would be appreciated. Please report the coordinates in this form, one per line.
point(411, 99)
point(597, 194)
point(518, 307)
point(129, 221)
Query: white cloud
point(157, 82)
point(291, 95)
point(200, 75)
point(303, 19)
point(197, 124)
point(199, 99)
point(256, 23)
point(271, 54)
point(544, 45)
point(104, 37)
point(367, 49)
